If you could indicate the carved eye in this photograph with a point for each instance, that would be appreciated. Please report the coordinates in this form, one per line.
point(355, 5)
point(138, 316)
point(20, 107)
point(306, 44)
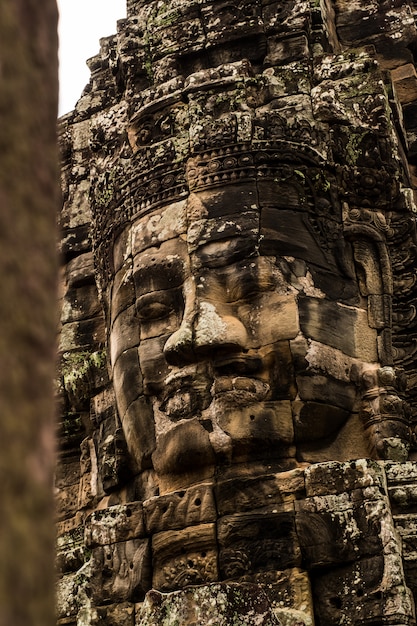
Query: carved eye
point(153, 311)
point(158, 305)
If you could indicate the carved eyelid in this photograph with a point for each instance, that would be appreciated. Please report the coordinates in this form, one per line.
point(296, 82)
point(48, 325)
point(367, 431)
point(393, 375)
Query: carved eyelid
point(157, 304)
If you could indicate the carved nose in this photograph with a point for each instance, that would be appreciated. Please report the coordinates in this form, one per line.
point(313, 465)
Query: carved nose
point(210, 334)
point(217, 332)
point(178, 349)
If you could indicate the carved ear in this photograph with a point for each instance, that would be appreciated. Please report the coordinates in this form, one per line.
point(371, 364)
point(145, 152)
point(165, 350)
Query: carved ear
point(385, 415)
point(366, 231)
point(375, 283)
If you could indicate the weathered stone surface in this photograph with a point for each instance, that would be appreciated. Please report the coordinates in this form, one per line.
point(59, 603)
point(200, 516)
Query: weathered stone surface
point(184, 449)
point(122, 614)
point(360, 344)
point(120, 571)
point(71, 552)
point(264, 492)
point(127, 380)
point(239, 324)
point(180, 508)
point(335, 529)
point(353, 594)
point(267, 425)
point(254, 542)
point(115, 524)
point(242, 605)
point(185, 557)
point(333, 478)
point(138, 426)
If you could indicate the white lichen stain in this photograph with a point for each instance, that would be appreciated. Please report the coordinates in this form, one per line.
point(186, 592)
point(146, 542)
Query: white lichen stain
point(210, 327)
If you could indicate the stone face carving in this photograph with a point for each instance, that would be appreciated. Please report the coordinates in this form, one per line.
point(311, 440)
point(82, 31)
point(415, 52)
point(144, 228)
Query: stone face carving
point(238, 331)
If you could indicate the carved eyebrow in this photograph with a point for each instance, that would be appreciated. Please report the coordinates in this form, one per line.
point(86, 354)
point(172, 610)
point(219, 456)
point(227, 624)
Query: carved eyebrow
point(158, 274)
point(246, 279)
point(224, 252)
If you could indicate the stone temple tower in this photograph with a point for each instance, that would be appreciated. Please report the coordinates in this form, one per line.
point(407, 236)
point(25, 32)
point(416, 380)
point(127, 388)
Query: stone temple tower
point(238, 340)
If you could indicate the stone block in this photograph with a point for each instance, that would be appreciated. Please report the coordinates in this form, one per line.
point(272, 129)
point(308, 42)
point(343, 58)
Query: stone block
point(315, 421)
point(184, 449)
point(151, 354)
point(349, 594)
point(406, 525)
point(342, 327)
point(80, 270)
point(139, 431)
point(124, 333)
point(181, 37)
point(286, 50)
point(289, 594)
point(115, 524)
point(70, 550)
point(356, 594)
point(334, 478)
point(81, 136)
point(223, 604)
point(70, 524)
point(80, 303)
point(180, 509)
point(225, 22)
point(274, 319)
point(123, 293)
point(184, 557)
point(160, 226)
point(257, 542)
point(122, 249)
point(284, 233)
point(120, 572)
point(335, 530)
point(401, 473)
point(122, 614)
point(76, 210)
point(207, 231)
point(66, 597)
point(103, 404)
point(404, 79)
point(82, 335)
point(264, 493)
point(285, 16)
point(259, 427)
point(332, 392)
point(127, 379)
point(66, 501)
point(403, 498)
point(75, 240)
point(67, 472)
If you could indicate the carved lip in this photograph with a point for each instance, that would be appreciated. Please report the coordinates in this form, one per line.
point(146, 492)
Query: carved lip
point(233, 380)
point(240, 390)
point(236, 365)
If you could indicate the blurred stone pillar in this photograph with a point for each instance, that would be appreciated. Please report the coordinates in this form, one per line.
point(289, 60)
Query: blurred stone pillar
point(28, 203)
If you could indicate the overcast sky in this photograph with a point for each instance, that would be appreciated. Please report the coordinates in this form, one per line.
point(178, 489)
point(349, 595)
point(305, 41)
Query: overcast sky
point(81, 24)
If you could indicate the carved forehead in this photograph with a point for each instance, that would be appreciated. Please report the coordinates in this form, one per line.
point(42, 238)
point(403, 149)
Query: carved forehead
point(168, 222)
